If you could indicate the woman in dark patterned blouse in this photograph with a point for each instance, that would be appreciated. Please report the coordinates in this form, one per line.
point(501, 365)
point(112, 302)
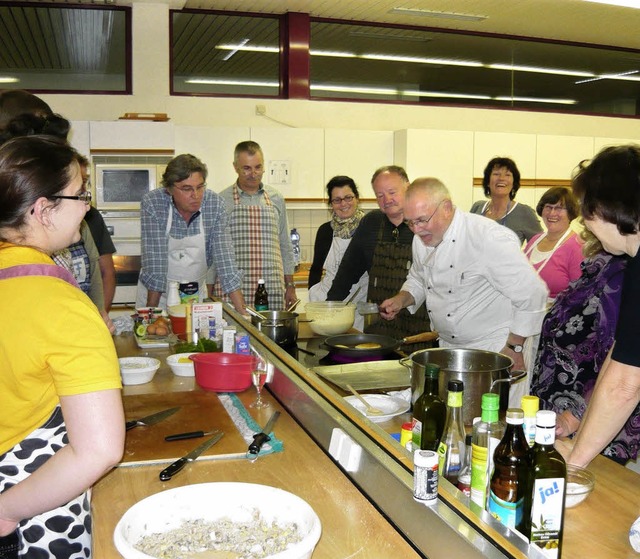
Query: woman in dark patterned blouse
point(576, 337)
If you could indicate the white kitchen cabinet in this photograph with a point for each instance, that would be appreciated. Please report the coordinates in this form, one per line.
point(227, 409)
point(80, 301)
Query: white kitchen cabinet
point(79, 136)
point(558, 156)
point(519, 147)
point(131, 135)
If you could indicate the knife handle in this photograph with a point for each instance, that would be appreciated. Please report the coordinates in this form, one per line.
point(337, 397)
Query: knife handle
point(258, 441)
point(130, 424)
point(172, 469)
point(182, 436)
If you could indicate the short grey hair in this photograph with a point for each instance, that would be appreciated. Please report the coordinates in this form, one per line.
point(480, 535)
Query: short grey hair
point(431, 186)
point(247, 147)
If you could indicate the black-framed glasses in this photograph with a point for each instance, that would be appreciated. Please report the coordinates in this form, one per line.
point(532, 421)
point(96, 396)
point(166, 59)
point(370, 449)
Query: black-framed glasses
point(412, 223)
point(348, 198)
point(84, 196)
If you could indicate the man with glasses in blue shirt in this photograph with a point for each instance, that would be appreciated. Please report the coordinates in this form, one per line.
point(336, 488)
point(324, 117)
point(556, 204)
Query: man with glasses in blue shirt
point(479, 288)
point(185, 237)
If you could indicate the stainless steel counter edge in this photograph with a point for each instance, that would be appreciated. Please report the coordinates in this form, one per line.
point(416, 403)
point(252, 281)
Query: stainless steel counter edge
point(436, 531)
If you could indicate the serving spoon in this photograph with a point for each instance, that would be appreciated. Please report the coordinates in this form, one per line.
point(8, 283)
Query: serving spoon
point(371, 410)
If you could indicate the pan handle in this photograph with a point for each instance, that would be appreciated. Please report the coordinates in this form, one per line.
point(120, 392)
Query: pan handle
point(424, 337)
point(513, 377)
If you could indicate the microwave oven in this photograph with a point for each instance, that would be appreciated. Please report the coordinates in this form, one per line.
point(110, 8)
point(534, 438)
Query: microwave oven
point(121, 186)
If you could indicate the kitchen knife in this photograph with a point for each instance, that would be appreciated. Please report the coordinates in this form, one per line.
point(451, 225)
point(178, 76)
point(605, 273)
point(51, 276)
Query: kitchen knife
point(190, 435)
point(173, 469)
point(151, 419)
point(260, 438)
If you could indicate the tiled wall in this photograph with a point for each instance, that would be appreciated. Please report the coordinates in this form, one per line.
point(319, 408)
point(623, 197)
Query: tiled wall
point(307, 222)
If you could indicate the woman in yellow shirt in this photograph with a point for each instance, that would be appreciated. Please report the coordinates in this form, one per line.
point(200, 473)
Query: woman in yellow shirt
point(62, 423)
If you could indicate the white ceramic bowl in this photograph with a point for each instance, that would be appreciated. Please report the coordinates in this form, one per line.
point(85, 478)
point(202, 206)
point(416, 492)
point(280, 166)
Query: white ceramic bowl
point(138, 370)
point(182, 368)
point(167, 510)
point(580, 483)
point(329, 318)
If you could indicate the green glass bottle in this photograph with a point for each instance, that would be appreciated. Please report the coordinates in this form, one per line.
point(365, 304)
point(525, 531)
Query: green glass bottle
point(544, 503)
point(429, 412)
point(452, 448)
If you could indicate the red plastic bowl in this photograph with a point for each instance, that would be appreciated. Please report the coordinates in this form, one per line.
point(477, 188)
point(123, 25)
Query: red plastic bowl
point(223, 372)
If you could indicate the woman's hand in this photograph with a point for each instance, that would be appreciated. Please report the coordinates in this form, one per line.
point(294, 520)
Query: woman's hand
point(566, 424)
point(7, 526)
point(108, 322)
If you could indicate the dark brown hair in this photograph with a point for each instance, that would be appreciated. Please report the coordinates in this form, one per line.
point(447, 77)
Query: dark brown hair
point(181, 167)
point(340, 181)
point(562, 195)
point(501, 162)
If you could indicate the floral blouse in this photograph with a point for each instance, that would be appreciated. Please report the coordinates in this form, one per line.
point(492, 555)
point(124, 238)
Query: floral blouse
point(577, 334)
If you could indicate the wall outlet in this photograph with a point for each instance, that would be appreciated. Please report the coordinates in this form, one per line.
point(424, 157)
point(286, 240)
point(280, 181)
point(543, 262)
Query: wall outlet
point(261, 110)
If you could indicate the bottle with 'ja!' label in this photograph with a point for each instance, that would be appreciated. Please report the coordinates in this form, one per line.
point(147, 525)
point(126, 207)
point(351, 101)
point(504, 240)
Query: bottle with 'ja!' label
point(261, 298)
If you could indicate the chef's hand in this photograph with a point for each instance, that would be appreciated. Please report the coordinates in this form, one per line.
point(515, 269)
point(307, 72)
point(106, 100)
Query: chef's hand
point(290, 296)
point(517, 357)
point(389, 308)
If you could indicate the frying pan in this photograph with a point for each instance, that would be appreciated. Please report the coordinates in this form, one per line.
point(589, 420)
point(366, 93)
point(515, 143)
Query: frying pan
point(345, 344)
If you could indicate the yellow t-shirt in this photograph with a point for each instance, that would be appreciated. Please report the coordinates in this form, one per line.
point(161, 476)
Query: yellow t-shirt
point(53, 342)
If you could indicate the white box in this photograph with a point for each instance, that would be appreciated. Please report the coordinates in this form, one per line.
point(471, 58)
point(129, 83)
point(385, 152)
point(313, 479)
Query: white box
point(229, 339)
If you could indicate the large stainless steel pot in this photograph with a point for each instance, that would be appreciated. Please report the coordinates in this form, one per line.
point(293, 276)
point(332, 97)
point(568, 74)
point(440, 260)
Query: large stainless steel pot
point(480, 371)
point(280, 326)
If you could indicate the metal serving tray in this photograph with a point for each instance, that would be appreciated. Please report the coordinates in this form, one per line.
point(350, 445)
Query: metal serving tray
point(370, 375)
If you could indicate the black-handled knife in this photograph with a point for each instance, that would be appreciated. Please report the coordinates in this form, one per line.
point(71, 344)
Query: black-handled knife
point(173, 469)
point(189, 435)
point(151, 419)
point(260, 438)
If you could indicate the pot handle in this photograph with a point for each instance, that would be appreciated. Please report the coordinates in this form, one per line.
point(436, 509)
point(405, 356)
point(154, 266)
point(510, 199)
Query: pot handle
point(405, 362)
point(513, 377)
point(423, 337)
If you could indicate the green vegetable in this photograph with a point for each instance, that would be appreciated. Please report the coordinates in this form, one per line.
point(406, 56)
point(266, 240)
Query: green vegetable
point(203, 346)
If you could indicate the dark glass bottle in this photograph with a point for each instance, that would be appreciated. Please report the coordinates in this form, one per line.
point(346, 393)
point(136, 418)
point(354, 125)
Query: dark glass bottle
point(544, 502)
point(451, 449)
point(511, 464)
point(261, 298)
point(429, 412)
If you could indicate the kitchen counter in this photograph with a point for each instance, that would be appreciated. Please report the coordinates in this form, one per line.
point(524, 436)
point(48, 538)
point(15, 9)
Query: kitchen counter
point(598, 528)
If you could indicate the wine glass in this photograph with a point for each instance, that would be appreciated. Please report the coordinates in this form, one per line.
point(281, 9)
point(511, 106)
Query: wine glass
point(259, 377)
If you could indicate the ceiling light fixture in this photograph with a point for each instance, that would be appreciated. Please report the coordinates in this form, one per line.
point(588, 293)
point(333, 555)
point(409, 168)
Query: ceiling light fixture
point(333, 53)
point(621, 3)
point(242, 43)
point(242, 46)
point(435, 14)
point(389, 37)
point(622, 76)
point(420, 60)
point(541, 70)
point(8, 79)
point(249, 83)
point(536, 100)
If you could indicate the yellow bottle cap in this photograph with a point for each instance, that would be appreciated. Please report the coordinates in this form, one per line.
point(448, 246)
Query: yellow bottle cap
point(530, 405)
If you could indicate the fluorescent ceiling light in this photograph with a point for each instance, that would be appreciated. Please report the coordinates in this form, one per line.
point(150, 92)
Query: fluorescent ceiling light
point(541, 70)
point(230, 54)
point(420, 60)
point(233, 82)
point(8, 79)
point(390, 37)
point(623, 3)
point(243, 46)
point(333, 53)
point(537, 100)
point(432, 13)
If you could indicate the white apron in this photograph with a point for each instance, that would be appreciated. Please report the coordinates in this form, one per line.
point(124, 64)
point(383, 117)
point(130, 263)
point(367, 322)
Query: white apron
point(256, 241)
point(186, 262)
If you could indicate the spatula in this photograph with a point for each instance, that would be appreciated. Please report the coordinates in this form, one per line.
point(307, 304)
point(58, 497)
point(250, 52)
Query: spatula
point(371, 410)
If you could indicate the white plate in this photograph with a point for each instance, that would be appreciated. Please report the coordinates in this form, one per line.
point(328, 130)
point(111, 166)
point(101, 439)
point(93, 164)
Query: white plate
point(390, 405)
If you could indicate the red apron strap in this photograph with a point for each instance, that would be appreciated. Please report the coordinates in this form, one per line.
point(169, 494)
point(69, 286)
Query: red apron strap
point(38, 270)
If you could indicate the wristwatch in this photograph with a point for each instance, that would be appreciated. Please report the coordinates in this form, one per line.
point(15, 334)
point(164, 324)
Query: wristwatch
point(517, 348)
point(290, 284)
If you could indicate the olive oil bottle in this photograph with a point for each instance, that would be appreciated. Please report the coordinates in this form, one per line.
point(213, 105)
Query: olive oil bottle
point(544, 505)
point(429, 412)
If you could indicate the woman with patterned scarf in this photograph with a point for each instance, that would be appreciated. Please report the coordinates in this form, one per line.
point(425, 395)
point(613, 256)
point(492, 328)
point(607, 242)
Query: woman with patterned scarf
point(332, 240)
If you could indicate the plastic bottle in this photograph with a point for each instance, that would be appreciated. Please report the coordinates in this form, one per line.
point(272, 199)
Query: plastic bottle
point(487, 434)
point(295, 242)
point(173, 294)
point(425, 476)
point(451, 448)
point(429, 412)
point(544, 505)
point(261, 298)
point(530, 406)
point(464, 477)
point(508, 485)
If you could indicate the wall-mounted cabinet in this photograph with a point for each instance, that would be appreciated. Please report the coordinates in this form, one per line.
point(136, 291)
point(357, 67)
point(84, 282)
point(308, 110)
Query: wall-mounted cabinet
point(131, 135)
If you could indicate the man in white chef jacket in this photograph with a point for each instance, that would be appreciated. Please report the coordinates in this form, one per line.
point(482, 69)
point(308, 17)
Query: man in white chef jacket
point(480, 290)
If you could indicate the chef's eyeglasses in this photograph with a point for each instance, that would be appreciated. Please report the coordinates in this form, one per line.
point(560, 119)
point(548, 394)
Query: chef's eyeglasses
point(190, 189)
point(413, 223)
point(337, 201)
point(84, 196)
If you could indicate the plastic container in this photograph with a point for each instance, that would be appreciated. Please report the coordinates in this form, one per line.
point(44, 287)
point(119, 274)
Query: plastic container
point(137, 370)
point(329, 318)
point(168, 510)
point(181, 365)
point(580, 484)
point(223, 372)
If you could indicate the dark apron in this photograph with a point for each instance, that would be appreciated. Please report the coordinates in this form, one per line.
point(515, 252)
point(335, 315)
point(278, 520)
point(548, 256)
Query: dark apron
point(389, 269)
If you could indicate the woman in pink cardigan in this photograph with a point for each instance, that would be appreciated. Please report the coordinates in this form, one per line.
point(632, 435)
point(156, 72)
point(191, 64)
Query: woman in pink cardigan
point(557, 253)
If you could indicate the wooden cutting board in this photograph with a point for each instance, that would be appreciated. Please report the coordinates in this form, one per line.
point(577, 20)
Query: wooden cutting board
point(199, 411)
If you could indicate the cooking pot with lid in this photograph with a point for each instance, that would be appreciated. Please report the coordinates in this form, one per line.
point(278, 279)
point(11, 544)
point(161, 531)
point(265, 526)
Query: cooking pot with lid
point(280, 326)
point(480, 371)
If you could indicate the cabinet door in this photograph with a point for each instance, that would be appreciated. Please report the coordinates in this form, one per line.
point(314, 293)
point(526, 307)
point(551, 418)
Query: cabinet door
point(131, 135)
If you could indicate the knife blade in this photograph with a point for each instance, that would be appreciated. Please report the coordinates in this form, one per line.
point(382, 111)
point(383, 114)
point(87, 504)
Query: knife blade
point(173, 469)
point(260, 438)
point(151, 419)
point(189, 435)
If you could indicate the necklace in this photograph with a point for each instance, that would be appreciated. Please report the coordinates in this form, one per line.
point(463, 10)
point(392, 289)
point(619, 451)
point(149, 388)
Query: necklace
point(488, 211)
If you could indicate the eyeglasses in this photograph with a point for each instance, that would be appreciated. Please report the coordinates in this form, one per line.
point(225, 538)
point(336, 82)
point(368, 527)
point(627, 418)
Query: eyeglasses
point(549, 208)
point(84, 196)
point(337, 201)
point(190, 189)
point(412, 223)
point(248, 171)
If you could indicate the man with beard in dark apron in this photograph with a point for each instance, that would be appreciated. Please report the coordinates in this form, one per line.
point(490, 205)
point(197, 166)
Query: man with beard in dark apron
point(382, 246)
point(259, 230)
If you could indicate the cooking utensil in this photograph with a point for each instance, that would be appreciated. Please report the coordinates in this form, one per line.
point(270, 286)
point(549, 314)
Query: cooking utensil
point(150, 419)
point(253, 312)
point(371, 410)
point(480, 371)
point(190, 435)
point(260, 438)
point(280, 326)
point(173, 469)
point(353, 296)
point(346, 344)
point(292, 306)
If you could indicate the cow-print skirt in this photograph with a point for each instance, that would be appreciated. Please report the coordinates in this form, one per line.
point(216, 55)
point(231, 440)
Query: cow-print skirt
point(62, 533)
